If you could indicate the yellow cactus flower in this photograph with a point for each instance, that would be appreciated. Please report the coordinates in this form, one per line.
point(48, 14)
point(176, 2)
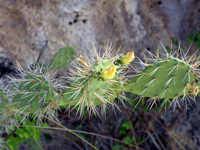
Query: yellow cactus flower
point(126, 59)
point(108, 72)
point(195, 91)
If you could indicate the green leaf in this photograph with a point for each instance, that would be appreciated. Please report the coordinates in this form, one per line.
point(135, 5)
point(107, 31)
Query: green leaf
point(63, 57)
point(128, 139)
point(13, 142)
point(122, 131)
point(24, 133)
point(126, 125)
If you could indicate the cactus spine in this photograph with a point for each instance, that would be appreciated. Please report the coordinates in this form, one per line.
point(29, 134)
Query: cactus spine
point(95, 81)
point(171, 78)
point(33, 94)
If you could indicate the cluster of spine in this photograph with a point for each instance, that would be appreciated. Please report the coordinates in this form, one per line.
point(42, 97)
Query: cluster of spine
point(33, 95)
point(36, 93)
point(97, 81)
point(168, 78)
point(6, 113)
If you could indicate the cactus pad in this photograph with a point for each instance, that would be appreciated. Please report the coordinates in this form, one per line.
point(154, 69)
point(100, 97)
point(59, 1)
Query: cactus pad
point(170, 78)
point(163, 79)
point(94, 82)
point(35, 93)
point(63, 57)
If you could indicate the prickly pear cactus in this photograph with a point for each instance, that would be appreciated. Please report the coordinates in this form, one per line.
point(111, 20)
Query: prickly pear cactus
point(95, 81)
point(63, 57)
point(6, 112)
point(171, 78)
point(34, 93)
point(4, 102)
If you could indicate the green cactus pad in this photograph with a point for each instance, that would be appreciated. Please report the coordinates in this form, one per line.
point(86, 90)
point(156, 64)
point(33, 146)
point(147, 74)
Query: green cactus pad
point(33, 93)
point(88, 88)
point(163, 79)
point(93, 92)
point(102, 63)
point(4, 102)
point(63, 57)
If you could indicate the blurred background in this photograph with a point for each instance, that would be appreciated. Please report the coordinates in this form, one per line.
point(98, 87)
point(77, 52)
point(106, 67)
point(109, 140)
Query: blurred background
point(134, 24)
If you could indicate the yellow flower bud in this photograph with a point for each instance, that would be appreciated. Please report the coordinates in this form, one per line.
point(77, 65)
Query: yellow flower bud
point(195, 91)
point(108, 72)
point(126, 59)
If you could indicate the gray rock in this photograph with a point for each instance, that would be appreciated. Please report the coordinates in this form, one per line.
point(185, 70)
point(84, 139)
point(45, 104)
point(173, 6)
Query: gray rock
point(135, 24)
